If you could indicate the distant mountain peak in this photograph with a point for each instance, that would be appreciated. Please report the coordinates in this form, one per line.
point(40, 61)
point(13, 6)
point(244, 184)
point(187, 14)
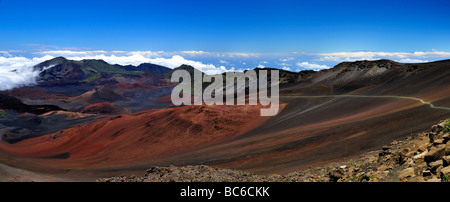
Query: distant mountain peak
point(188, 68)
point(62, 70)
point(367, 64)
point(55, 61)
point(60, 58)
point(365, 72)
point(185, 66)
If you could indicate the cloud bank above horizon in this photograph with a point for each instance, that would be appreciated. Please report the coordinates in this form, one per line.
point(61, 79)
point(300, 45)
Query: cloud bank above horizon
point(16, 66)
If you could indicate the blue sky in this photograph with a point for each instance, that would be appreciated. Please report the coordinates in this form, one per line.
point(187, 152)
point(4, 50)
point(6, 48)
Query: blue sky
point(227, 26)
point(218, 35)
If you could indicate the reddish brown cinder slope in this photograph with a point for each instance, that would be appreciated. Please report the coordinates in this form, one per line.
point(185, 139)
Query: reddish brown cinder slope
point(143, 136)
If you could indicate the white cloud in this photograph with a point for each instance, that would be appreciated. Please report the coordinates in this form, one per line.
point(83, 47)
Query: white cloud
point(142, 53)
point(407, 60)
point(5, 53)
point(244, 55)
point(284, 64)
point(194, 53)
point(369, 55)
point(18, 71)
point(307, 65)
point(168, 59)
point(177, 61)
point(113, 59)
point(209, 54)
point(287, 59)
point(138, 57)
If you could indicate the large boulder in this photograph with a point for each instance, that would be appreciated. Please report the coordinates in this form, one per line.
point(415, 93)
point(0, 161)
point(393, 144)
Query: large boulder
point(446, 137)
point(435, 154)
point(406, 173)
point(447, 148)
point(336, 174)
point(446, 160)
point(434, 166)
point(445, 171)
point(437, 128)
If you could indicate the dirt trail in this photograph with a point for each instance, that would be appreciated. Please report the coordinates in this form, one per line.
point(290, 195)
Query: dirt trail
point(368, 96)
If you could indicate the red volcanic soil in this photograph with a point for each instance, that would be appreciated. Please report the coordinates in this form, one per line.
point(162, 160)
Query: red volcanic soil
point(104, 108)
point(143, 136)
point(35, 93)
point(164, 99)
point(132, 86)
point(146, 81)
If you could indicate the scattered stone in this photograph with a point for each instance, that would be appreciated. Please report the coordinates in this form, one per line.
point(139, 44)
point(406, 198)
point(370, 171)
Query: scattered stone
point(434, 179)
point(435, 154)
point(373, 159)
point(425, 157)
point(406, 173)
point(336, 174)
point(423, 147)
point(426, 173)
point(382, 168)
point(441, 124)
point(410, 163)
point(440, 135)
point(386, 151)
point(404, 152)
point(432, 136)
point(436, 128)
point(446, 160)
point(421, 166)
point(438, 170)
point(435, 165)
point(445, 171)
point(446, 137)
point(410, 154)
point(438, 142)
point(351, 170)
point(447, 148)
point(420, 156)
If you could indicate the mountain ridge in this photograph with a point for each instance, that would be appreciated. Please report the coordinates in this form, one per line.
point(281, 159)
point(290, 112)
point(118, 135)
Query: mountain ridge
point(61, 70)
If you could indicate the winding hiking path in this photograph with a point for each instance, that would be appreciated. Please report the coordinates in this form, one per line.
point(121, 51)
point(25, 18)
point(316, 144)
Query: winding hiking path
point(368, 96)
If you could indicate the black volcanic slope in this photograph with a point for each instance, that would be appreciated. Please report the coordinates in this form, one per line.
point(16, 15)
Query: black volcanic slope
point(12, 103)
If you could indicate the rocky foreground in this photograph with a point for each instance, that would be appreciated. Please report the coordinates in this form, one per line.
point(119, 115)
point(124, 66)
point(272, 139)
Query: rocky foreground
point(421, 158)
